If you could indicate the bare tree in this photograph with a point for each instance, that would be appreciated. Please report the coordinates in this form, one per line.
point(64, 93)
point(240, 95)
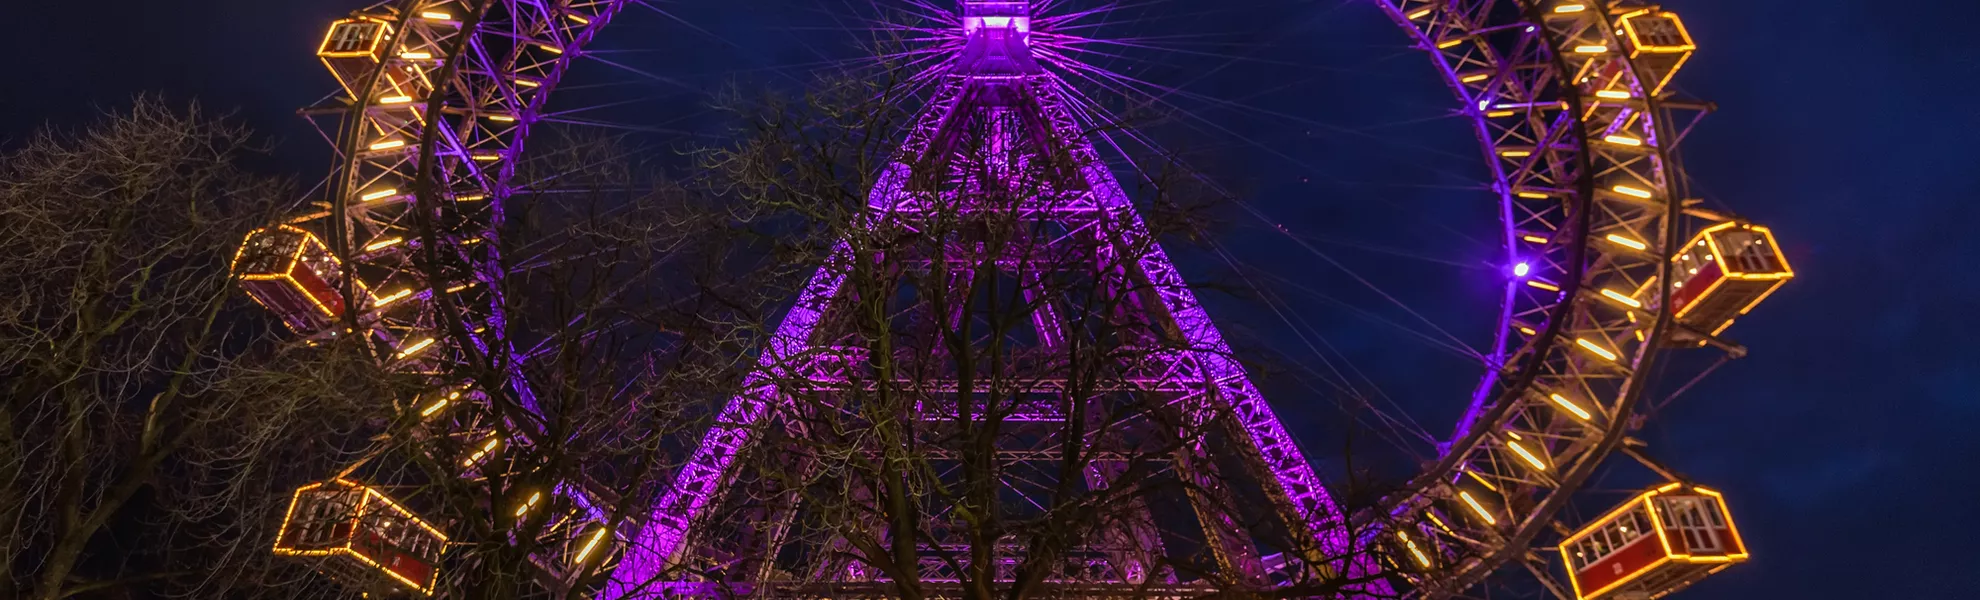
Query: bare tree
point(628, 303)
point(139, 445)
point(156, 423)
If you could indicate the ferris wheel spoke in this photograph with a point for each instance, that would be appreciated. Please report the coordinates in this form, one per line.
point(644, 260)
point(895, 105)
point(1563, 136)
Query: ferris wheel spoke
point(669, 81)
point(1127, 90)
point(1568, 100)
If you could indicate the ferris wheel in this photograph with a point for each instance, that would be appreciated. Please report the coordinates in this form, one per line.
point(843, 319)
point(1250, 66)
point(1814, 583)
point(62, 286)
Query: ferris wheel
point(1608, 269)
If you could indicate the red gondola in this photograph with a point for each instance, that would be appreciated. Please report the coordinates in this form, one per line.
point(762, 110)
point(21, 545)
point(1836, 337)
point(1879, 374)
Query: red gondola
point(1659, 45)
point(1725, 271)
point(1655, 544)
point(365, 538)
point(291, 272)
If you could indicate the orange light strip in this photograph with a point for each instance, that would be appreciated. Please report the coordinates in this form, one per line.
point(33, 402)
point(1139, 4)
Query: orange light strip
point(1634, 192)
point(1625, 242)
point(1478, 508)
point(1621, 299)
point(1605, 353)
point(1564, 403)
point(1420, 558)
point(1538, 465)
point(416, 347)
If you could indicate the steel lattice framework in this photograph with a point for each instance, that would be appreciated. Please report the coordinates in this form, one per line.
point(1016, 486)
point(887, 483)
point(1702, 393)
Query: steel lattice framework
point(1569, 100)
point(1202, 365)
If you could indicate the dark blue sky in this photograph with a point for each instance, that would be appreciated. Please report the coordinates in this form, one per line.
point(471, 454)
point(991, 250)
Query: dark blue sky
point(1845, 443)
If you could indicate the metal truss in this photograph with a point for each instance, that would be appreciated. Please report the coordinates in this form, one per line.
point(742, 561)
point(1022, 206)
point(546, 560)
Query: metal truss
point(1570, 103)
point(439, 98)
point(1214, 384)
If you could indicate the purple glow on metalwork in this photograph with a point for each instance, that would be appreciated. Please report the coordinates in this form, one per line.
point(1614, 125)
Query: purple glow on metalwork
point(1485, 390)
point(996, 47)
point(583, 502)
point(1311, 506)
point(701, 478)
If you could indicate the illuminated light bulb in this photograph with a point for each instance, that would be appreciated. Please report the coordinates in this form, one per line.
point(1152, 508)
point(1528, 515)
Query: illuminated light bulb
point(1623, 140)
point(1411, 544)
point(1439, 522)
point(1481, 480)
point(1543, 285)
point(501, 118)
point(385, 193)
point(433, 409)
point(1590, 49)
point(1570, 8)
point(1515, 153)
point(436, 15)
point(1597, 350)
point(550, 49)
point(580, 19)
point(1478, 508)
point(1528, 330)
point(395, 297)
point(416, 55)
point(490, 447)
point(383, 244)
point(1531, 195)
point(388, 145)
point(416, 347)
point(470, 198)
point(1449, 43)
point(1500, 114)
point(1533, 238)
point(1633, 192)
point(1475, 77)
point(589, 545)
point(395, 100)
point(487, 157)
point(528, 83)
point(528, 504)
point(1419, 13)
point(1621, 299)
point(1569, 406)
point(1522, 269)
point(1530, 458)
point(1613, 95)
point(1619, 240)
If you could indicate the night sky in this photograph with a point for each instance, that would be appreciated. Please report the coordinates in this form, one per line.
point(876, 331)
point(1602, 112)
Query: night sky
point(1845, 443)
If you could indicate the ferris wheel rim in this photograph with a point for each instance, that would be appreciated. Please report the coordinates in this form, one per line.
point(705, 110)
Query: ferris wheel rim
point(1491, 398)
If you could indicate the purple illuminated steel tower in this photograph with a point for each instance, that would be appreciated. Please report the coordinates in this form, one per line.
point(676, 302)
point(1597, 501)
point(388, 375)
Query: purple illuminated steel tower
point(1015, 258)
point(998, 150)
